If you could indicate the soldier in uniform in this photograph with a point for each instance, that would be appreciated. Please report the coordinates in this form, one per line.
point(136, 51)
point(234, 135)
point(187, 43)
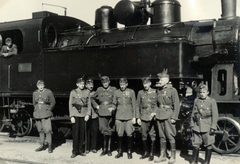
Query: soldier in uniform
point(92, 124)
point(79, 111)
point(102, 101)
point(9, 49)
point(166, 116)
point(203, 123)
point(147, 104)
point(124, 102)
point(44, 102)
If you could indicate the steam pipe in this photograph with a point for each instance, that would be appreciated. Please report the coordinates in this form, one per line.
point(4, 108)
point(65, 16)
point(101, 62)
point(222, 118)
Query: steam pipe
point(228, 8)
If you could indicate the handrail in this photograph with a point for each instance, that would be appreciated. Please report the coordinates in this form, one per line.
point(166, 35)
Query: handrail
point(9, 76)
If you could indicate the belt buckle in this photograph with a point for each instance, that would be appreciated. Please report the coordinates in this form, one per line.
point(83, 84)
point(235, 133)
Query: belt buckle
point(105, 103)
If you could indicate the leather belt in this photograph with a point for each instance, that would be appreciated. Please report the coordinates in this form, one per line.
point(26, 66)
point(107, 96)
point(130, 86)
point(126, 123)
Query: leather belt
point(206, 116)
point(41, 102)
point(165, 106)
point(105, 103)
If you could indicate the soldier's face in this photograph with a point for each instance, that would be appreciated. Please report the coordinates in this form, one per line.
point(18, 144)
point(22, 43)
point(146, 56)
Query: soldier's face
point(40, 87)
point(80, 85)
point(105, 84)
point(147, 85)
point(89, 86)
point(123, 86)
point(163, 81)
point(9, 43)
point(203, 93)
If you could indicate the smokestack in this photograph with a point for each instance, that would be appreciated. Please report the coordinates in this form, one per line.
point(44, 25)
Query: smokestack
point(228, 8)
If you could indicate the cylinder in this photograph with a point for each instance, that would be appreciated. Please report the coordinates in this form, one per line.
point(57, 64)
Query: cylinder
point(228, 8)
point(130, 13)
point(104, 18)
point(166, 11)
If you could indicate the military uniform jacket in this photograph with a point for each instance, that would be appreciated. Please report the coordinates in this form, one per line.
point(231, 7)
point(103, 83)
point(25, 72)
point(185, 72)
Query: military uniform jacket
point(147, 103)
point(204, 115)
point(104, 97)
point(94, 113)
point(168, 101)
point(43, 102)
point(81, 97)
point(12, 50)
point(124, 103)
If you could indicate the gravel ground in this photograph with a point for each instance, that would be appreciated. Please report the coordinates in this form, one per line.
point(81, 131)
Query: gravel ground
point(22, 151)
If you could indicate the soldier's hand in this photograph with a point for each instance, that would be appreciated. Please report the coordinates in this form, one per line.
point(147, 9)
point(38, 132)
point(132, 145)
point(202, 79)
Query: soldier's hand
point(133, 120)
point(139, 121)
point(173, 121)
point(97, 107)
point(110, 109)
point(5, 54)
point(86, 118)
point(153, 114)
point(212, 132)
point(72, 120)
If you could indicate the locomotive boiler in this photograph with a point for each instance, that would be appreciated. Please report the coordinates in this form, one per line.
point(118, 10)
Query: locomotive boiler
point(59, 49)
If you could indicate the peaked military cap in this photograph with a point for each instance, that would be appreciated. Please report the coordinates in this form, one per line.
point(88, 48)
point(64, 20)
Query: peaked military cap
point(39, 82)
point(105, 79)
point(146, 79)
point(79, 80)
point(123, 80)
point(89, 81)
point(202, 87)
point(163, 74)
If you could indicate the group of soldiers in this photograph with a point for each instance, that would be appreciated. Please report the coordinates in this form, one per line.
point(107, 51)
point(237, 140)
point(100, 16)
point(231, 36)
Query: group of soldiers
point(109, 109)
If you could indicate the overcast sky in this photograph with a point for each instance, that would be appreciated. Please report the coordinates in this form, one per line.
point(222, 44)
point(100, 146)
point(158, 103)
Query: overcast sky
point(85, 9)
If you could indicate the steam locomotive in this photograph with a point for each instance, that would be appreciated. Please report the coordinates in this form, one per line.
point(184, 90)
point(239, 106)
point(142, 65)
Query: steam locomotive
point(60, 49)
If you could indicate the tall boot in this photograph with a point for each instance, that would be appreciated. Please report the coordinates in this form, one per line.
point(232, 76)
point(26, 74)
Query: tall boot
point(151, 157)
point(104, 146)
point(208, 155)
point(41, 138)
point(50, 149)
point(173, 153)
point(109, 146)
point(195, 154)
point(162, 157)
point(145, 148)
point(49, 140)
point(120, 153)
point(129, 152)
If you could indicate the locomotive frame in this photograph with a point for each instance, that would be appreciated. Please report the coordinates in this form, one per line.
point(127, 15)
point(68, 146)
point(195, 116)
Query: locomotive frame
point(59, 49)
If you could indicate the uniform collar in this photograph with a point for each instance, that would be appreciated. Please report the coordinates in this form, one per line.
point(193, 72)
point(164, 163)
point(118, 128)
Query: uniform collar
point(80, 90)
point(204, 99)
point(41, 91)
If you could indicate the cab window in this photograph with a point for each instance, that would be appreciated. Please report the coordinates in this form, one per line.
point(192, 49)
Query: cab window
point(15, 36)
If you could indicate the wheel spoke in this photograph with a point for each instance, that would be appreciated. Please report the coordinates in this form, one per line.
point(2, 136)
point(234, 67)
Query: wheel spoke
point(21, 130)
point(232, 142)
point(226, 146)
point(25, 127)
point(231, 129)
point(219, 144)
point(224, 127)
point(233, 135)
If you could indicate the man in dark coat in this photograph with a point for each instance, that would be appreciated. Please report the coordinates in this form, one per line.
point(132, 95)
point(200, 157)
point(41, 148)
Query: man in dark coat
point(43, 101)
